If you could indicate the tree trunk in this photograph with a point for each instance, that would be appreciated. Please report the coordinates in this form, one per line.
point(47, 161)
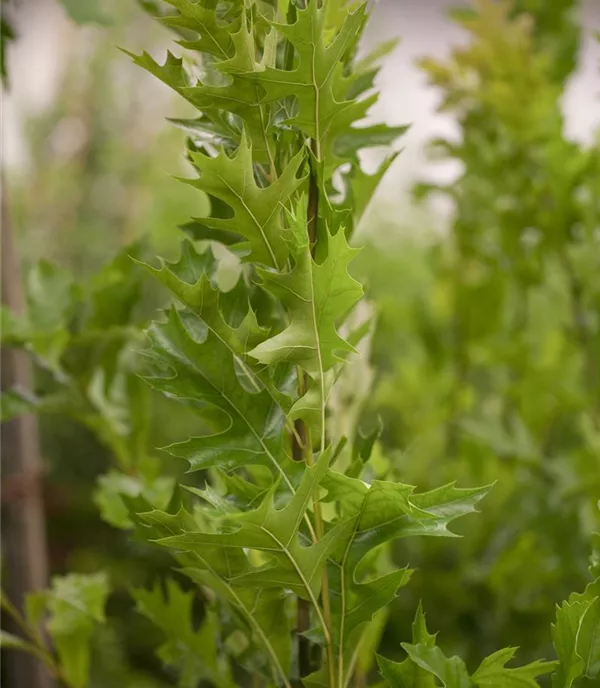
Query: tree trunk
point(23, 522)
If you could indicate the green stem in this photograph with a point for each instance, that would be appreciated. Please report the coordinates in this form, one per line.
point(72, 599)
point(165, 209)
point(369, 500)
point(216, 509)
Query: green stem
point(299, 442)
point(313, 217)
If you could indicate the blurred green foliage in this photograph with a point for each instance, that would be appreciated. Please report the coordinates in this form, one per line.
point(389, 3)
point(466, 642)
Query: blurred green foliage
point(98, 156)
point(488, 340)
point(70, 612)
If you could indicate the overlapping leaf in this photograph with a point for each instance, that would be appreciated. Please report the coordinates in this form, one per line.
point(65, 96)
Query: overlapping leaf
point(220, 555)
point(195, 365)
point(257, 212)
point(451, 671)
point(318, 82)
point(408, 674)
point(251, 547)
point(211, 366)
point(76, 604)
point(425, 661)
point(388, 510)
point(492, 672)
point(576, 636)
point(382, 512)
point(229, 44)
point(292, 564)
point(316, 297)
point(214, 39)
point(260, 611)
point(194, 653)
point(430, 661)
point(114, 485)
point(213, 27)
point(70, 611)
point(239, 96)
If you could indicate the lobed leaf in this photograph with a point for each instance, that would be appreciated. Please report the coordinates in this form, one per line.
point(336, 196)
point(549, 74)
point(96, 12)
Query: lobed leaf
point(195, 653)
point(257, 212)
point(316, 297)
point(317, 82)
point(195, 365)
point(409, 674)
point(76, 604)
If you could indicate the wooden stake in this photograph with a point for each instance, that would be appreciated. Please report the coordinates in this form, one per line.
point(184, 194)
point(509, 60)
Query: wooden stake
point(23, 521)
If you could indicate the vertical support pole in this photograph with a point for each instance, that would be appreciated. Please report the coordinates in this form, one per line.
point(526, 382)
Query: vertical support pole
point(23, 521)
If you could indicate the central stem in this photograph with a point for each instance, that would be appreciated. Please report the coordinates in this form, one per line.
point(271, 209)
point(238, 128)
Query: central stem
point(312, 225)
point(302, 449)
point(299, 443)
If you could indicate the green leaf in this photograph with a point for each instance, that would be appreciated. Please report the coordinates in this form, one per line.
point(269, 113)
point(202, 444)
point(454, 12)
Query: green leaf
point(363, 600)
point(214, 29)
point(362, 446)
point(196, 364)
point(374, 57)
point(256, 212)
point(10, 641)
point(50, 299)
point(492, 672)
point(115, 290)
point(170, 73)
point(392, 510)
point(260, 611)
point(229, 43)
point(222, 556)
point(370, 639)
point(372, 136)
point(383, 511)
point(194, 653)
point(576, 635)
point(316, 296)
point(564, 635)
point(15, 329)
point(185, 277)
point(409, 674)
point(588, 640)
point(318, 679)
point(76, 604)
point(111, 487)
point(202, 131)
point(276, 532)
point(452, 671)
point(35, 607)
point(361, 187)
point(50, 296)
point(239, 96)
point(595, 556)
point(317, 82)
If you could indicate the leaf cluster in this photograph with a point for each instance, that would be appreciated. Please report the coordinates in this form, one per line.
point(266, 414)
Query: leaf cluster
point(68, 613)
